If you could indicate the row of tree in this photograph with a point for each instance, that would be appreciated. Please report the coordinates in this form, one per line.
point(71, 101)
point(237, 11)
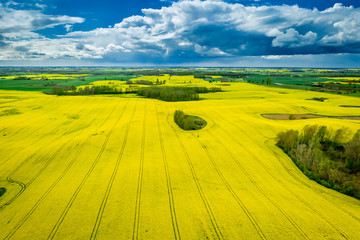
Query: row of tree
point(175, 93)
point(263, 81)
point(91, 90)
point(338, 87)
point(162, 93)
point(330, 157)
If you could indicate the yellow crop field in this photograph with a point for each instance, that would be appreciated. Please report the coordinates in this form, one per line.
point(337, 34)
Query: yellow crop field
point(47, 76)
point(118, 167)
point(344, 78)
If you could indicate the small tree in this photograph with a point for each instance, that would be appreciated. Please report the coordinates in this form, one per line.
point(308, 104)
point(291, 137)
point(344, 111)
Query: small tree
point(268, 81)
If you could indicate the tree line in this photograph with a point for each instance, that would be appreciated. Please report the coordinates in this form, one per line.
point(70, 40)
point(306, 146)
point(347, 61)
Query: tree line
point(330, 157)
point(175, 93)
point(91, 90)
point(162, 93)
point(145, 82)
point(339, 88)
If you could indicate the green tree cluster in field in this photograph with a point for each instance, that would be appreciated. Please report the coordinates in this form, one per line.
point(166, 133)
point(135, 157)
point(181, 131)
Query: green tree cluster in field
point(175, 93)
point(145, 82)
point(22, 78)
point(330, 157)
point(2, 191)
point(188, 122)
point(350, 87)
point(90, 90)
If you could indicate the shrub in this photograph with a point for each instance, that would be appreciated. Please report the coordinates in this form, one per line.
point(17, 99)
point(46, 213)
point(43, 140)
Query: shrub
point(188, 122)
point(2, 191)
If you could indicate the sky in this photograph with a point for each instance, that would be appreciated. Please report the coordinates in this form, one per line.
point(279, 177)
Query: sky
point(185, 33)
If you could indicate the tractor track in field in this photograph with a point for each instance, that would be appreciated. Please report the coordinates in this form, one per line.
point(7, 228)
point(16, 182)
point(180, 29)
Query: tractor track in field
point(39, 117)
point(210, 213)
point(306, 184)
point(277, 206)
point(232, 192)
point(15, 116)
point(264, 167)
point(342, 233)
point(140, 177)
point(235, 196)
point(56, 113)
point(22, 185)
point(112, 178)
point(174, 222)
point(18, 226)
point(31, 134)
point(31, 211)
point(82, 183)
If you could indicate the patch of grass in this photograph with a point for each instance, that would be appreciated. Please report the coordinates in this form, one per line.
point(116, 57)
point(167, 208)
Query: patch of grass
point(74, 116)
point(2, 191)
point(320, 99)
point(8, 112)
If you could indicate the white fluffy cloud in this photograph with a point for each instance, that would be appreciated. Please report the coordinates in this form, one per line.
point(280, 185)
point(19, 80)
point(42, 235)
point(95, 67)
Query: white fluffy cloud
point(15, 24)
point(189, 29)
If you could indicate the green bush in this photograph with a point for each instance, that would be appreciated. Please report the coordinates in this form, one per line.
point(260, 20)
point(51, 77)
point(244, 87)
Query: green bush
point(2, 191)
point(188, 122)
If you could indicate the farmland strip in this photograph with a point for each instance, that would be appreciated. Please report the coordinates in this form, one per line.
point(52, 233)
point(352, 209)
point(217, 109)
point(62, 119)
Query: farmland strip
point(168, 181)
point(74, 196)
point(31, 211)
point(199, 188)
point(111, 181)
point(31, 133)
point(313, 209)
point(138, 193)
point(288, 217)
point(22, 185)
point(235, 196)
point(343, 234)
point(298, 197)
point(298, 179)
point(305, 183)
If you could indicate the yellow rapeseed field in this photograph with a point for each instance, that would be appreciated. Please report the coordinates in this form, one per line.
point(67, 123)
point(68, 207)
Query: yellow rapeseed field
point(47, 76)
point(344, 78)
point(118, 167)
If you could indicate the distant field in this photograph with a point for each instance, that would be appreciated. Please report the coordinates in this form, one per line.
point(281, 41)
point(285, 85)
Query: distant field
point(118, 166)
